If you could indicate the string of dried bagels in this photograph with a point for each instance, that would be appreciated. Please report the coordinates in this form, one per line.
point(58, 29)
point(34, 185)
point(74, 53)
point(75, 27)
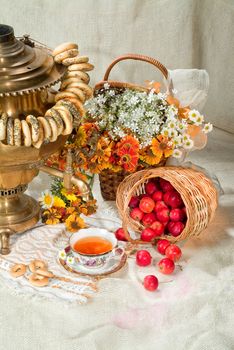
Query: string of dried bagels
point(58, 120)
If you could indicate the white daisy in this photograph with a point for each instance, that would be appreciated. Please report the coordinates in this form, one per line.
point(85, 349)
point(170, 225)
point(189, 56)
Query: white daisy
point(207, 128)
point(178, 140)
point(106, 86)
point(62, 255)
point(186, 137)
point(70, 260)
point(177, 153)
point(188, 144)
point(182, 126)
point(193, 115)
point(199, 120)
point(46, 200)
point(172, 133)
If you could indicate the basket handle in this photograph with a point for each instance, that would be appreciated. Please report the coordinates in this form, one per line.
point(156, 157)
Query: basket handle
point(137, 57)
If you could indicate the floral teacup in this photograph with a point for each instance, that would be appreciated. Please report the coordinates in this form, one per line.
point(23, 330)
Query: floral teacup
point(92, 259)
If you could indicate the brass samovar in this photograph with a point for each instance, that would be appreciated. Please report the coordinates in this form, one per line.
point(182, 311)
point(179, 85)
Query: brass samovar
point(27, 71)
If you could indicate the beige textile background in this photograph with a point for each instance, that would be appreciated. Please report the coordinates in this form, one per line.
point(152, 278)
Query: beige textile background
point(180, 33)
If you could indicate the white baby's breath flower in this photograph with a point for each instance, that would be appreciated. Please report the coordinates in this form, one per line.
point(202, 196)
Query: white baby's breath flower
point(177, 153)
point(199, 120)
point(207, 128)
point(193, 115)
point(188, 144)
point(106, 86)
point(70, 260)
point(62, 255)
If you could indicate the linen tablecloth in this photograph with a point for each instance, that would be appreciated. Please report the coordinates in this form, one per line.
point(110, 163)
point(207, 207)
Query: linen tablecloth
point(193, 312)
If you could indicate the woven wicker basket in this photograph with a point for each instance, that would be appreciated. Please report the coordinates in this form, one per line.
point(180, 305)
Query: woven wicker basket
point(110, 180)
point(197, 191)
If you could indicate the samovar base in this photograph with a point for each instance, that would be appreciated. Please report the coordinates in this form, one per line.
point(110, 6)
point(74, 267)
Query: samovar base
point(18, 213)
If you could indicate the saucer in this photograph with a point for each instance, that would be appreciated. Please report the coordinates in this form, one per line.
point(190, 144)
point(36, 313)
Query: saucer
point(113, 265)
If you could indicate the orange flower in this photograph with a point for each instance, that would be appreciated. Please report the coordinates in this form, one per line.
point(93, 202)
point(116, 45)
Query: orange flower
point(161, 146)
point(128, 159)
point(128, 143)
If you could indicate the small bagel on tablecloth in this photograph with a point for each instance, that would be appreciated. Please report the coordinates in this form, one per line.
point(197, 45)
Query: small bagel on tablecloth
point(45, 273)
point(36, 265)
point(18, 270)
point(38, 280)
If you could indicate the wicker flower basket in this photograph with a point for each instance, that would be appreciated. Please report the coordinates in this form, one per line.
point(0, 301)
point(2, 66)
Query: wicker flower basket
point(197, 191)
point(110, 180)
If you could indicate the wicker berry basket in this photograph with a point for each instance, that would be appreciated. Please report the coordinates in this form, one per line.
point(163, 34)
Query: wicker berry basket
point(110, 180)
point(197, 192)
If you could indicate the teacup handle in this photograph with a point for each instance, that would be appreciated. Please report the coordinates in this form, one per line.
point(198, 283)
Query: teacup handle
point(118, 250)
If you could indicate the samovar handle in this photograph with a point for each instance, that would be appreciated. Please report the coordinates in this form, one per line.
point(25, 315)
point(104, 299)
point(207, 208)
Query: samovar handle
point(5, 240)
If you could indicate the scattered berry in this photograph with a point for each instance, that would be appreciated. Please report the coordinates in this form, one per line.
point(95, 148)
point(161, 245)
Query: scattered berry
point(143, 258)
point(166, 266)
point(173, 252)
point(162, 245)
point(120, 234)
point(151, 282)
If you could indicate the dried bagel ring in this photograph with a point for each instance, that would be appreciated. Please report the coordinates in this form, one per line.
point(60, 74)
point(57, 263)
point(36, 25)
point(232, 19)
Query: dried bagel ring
point(74, 60)
point(64, 94)
point(26, 133)
point(3, 126)
point(81, 67)
point(54, 130)
point(66, 54)
point(46, 128)
point(71, 107)
point(67, 119)
point(18, 270)
point(33, 122)
point(58, 120)
point(38, 281)
point(64, 47)
point(78, 92)
point(10, 131)
point(86, 88)
point(17, 132)
point(78, 104)
point(45, 273)
point(41, 137)
point(78, 75)
point(36, 265)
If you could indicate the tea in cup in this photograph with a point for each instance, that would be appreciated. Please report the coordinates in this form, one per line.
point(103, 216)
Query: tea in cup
point(93, 247)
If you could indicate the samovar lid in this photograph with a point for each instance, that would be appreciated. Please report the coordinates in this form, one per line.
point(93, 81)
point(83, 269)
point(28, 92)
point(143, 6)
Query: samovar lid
point(25, 66)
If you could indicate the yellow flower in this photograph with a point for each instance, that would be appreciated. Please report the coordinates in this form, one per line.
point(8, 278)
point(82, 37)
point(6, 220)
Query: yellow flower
point(58, 202)
point(46, 200)
point(51, 216)
point(69, 195)
point(148, 157)
point(161, 147)
point(74, 223)
point(81, 137)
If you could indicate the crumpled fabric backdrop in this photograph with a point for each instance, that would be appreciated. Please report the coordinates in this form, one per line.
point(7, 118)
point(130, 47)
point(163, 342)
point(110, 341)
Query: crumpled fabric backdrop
point(180, 34)
point(195, 311)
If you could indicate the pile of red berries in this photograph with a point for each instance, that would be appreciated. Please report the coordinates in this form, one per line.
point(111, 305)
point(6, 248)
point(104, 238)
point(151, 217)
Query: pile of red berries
point(160, 209)
point(166, 265)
